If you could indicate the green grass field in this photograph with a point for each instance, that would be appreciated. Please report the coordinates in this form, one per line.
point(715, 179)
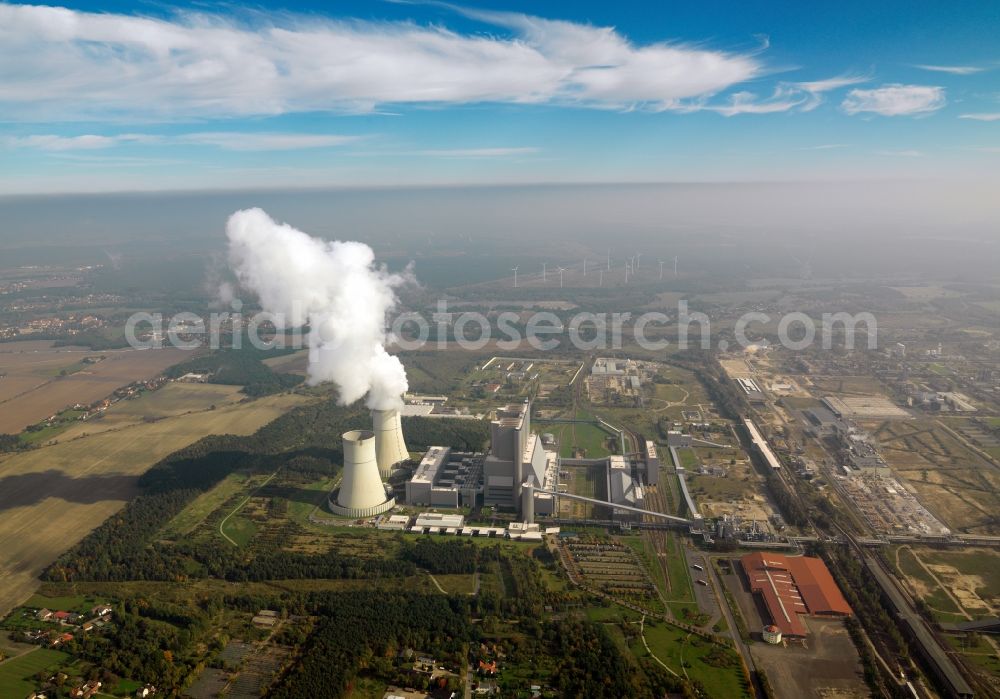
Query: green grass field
point(572, 436)
point(682, 592)
point(715, 666)
point(69, 603)
point(457, 584)
point(205, 504)
point(239, 529)
point(689, 460)
point(15, 674)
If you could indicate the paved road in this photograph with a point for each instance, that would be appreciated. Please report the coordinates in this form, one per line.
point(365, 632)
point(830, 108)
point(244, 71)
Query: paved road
point(704, 594)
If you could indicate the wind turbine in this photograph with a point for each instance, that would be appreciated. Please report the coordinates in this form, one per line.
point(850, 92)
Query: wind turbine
point(514, 270)
point(544, 278)
point(585, 266)
point(661, 269)
point(561, 270)
point(675, 265)
point(601, 271)
point(609, 259)
point(637, 256)
point(626, 272)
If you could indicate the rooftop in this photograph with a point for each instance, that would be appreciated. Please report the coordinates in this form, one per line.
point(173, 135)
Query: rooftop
point(792, 586)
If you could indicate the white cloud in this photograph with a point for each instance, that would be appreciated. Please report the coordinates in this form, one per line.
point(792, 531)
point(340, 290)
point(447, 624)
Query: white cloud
point(895, 100)
point(993, 116)
point(230, 140)
point(782, 100)
point(953, 70)
point(83, 142)
point(478, 152)
point(57, 63)
point(266, 141)
point(824, 146)
point(816, 88)
point(800, 96)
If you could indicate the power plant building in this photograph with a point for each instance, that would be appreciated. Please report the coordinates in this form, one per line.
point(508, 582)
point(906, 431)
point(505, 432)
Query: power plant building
point(652, 464)
point(516, 455)
point(517, 458)
point(623, 489)
point(446, 478)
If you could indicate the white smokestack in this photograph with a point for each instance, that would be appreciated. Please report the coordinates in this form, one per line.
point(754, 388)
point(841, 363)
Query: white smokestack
point(390, 448)
point(338, 289)
point(361, 491)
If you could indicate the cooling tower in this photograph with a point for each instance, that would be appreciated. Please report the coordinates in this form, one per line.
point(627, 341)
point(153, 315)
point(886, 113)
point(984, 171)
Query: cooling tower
point(390, 449)
point(361, 493)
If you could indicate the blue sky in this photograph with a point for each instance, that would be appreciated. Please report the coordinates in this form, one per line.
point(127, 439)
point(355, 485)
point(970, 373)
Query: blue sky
point(147, 96)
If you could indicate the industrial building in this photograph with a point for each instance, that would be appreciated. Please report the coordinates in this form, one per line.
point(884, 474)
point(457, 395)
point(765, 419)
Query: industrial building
point(751, 390)
point(517, 462)
point(761, 444)
point(623, 489)
point(652, 464)
point(792, 587)
point(517, 457)
point(446, 478)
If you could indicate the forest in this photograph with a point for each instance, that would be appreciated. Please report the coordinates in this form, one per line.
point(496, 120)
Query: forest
point(240, 367)
point(305, 441)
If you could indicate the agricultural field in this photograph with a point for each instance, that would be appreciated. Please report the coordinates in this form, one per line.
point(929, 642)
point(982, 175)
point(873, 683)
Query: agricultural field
point(15, 673)
point(956, 484)
point(52, 496)
point(32, 388)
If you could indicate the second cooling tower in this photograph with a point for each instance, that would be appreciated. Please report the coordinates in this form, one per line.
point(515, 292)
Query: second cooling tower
point(390, 449)
point(361, 492)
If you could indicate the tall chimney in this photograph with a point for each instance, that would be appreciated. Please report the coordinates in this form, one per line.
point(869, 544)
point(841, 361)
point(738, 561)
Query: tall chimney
point(390, 449)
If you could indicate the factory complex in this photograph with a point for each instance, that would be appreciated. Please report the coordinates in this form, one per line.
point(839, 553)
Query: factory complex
point(790, 587)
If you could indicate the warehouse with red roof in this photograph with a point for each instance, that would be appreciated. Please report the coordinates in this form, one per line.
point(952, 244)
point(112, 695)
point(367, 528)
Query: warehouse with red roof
point(794, 586)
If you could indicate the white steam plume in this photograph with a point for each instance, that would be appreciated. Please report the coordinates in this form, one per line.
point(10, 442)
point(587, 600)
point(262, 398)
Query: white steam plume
point(337, 288)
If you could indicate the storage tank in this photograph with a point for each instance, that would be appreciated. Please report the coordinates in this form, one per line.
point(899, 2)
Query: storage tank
point(772, 634)
point(361, 492)
point(390, 448)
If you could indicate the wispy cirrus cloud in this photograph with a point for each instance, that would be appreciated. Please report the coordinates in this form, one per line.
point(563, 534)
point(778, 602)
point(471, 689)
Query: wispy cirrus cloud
point(228, 140)
point(57, 63)
point(787, 96)
point(895, 100)
point(233, 140)
point(981, 116)
point(53, 142)
point(952, 70)
point(817, 88)
point(782, 100)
